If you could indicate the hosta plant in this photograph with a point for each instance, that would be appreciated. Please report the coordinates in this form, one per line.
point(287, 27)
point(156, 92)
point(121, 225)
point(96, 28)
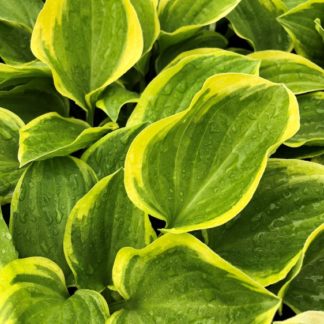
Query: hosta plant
point(162, 161)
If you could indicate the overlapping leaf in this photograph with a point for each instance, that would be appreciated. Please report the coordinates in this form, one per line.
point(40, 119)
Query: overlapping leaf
point(89, 50)
point(177, 16)
point(311, 108)
point(17, 18)
point(33, 290)
point(201, 39)
point(286, 208)
point(108, 154)
point(101, 223)
point(174, 88)
point(9, 164)
point(7, 249)
point(304, 288)
point(52, 135)
point(299, 22)
point(199, 168)
point(256, 21)
point(45, 195)
point(11, 75)
point(33, 98)
point(177, 278)
point(147, 14)
point(297, 73)
point(293, 3)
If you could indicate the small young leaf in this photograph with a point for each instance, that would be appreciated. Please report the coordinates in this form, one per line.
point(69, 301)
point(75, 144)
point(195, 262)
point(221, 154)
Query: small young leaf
point(177, 279)
point(255, 20)
point(102, 222)
point(45, 195)
point(311, 132)
point(9, 164)
point(89, 50)
point(299, 22)
point(174, 88)
point(286, 208)
point(33, 290)
point(114, 98)
point(108, 154)
point(52, 135)
point(199, 168)
point(297, 73)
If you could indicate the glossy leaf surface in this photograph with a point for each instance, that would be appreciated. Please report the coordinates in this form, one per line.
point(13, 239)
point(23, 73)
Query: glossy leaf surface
point(297, 73)
point(174, 88)
point(45, 195)
point(89, 50)
point(286, 208)
point(52, 135)
point(108, 154)
point(256, 21)
point(33, 291)
point(9, 164)
point(177, 278)
point(102, 222)
point(190, 169)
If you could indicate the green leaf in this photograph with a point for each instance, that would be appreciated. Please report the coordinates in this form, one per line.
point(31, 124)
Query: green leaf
point(147, 14)
point(177, 279)
point(256, 21)
point(199, 168)
point(102, 222)
point(299, 22)
point(15, 43)
point(7, 249)
point(319, 28)
point(17, 18)
point(178, 16)
point(304, 289)
point(201, 39)
point(114, 98)
point(174, 88)
point(309, 317)
point(33, 291)
point(11, 75)
point(297, 73)
point(34, 98)
point(108, 154)
point(293, 3)
point(319, 159)
point(9, 164)
point(45, 195)
point(311, 132)
point(52, 135)
point(20, 11)
point(285, 209)
point(89, 50)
